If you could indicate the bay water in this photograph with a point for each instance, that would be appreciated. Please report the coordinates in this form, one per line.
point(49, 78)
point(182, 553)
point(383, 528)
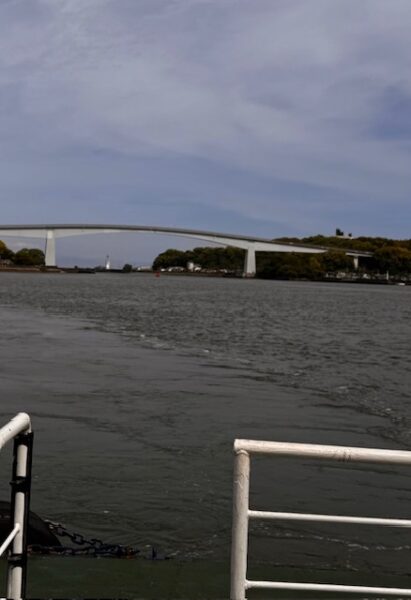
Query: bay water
point(138, 385)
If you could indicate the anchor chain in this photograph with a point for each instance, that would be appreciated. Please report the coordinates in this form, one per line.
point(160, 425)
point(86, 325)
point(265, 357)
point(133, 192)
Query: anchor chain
point(89, 547)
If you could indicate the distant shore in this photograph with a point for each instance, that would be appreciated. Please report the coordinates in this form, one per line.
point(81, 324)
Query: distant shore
point(42, 270)
point(90, 270)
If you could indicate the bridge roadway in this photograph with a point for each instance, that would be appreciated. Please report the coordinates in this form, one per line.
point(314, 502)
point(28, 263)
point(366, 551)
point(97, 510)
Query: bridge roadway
point(248, 243)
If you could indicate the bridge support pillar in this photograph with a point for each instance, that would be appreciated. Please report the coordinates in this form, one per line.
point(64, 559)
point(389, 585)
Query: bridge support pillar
point(356, 262)
point(51, 248)
point(249, 262)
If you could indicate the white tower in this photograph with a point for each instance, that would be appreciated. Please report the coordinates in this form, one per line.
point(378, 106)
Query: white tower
point(108, 264)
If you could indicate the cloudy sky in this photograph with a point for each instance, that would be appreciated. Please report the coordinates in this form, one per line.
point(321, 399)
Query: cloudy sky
point(262, 117)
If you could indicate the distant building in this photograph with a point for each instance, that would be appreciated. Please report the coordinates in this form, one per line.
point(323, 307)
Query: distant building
point(342, 235)
point(192, 267)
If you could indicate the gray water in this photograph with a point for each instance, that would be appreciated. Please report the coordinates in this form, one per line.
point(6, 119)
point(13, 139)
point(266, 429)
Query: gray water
point(138, 385)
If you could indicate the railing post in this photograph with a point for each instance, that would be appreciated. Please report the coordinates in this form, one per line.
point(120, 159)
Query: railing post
point(20, 506)
point(239, 544)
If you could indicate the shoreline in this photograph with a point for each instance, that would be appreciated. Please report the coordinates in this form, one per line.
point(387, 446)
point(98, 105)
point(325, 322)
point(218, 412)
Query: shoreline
point(91, 271)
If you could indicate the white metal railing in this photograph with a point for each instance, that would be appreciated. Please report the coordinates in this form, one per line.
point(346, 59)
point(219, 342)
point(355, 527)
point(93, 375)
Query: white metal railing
point(19, 429)
point(242, 513)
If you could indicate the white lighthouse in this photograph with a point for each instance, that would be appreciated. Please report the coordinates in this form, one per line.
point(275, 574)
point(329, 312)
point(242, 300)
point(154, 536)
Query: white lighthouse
point(108, 264)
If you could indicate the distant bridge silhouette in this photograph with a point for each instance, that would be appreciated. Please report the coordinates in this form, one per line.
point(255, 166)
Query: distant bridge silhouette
point(250, 244)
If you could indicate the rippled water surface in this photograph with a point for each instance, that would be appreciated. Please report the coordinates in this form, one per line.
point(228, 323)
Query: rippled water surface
point(138, 385)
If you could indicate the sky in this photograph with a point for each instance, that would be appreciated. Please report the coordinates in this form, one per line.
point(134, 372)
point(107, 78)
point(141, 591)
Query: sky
point(263, 117)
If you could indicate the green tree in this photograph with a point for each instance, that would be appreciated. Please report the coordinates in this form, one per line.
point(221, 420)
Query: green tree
point(395, 259)
point(280, 265)
point(228, 258)
point(170, 258)
point(336, 260)
point(5, 252)
point(29, 257)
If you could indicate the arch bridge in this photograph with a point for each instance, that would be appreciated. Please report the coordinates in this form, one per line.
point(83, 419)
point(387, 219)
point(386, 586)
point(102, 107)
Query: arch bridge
point(250, 244)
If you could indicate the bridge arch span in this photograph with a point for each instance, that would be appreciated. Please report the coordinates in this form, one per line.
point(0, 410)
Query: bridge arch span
point(250, 244)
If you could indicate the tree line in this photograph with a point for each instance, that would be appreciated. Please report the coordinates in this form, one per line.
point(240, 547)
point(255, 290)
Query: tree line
point(392, 256)
point(26, 257)
point(231, 259)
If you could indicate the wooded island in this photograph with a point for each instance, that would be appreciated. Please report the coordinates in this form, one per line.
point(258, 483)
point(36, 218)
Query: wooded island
point(389, 256)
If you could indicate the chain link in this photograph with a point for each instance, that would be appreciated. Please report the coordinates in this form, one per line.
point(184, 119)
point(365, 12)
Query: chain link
point(90, 547)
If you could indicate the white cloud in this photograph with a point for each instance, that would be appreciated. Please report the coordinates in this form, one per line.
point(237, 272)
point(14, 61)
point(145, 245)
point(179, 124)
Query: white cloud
point(289, 90)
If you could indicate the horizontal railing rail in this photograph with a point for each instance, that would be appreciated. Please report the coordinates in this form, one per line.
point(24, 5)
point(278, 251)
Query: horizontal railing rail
point(19, 430)
point(242, 512)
